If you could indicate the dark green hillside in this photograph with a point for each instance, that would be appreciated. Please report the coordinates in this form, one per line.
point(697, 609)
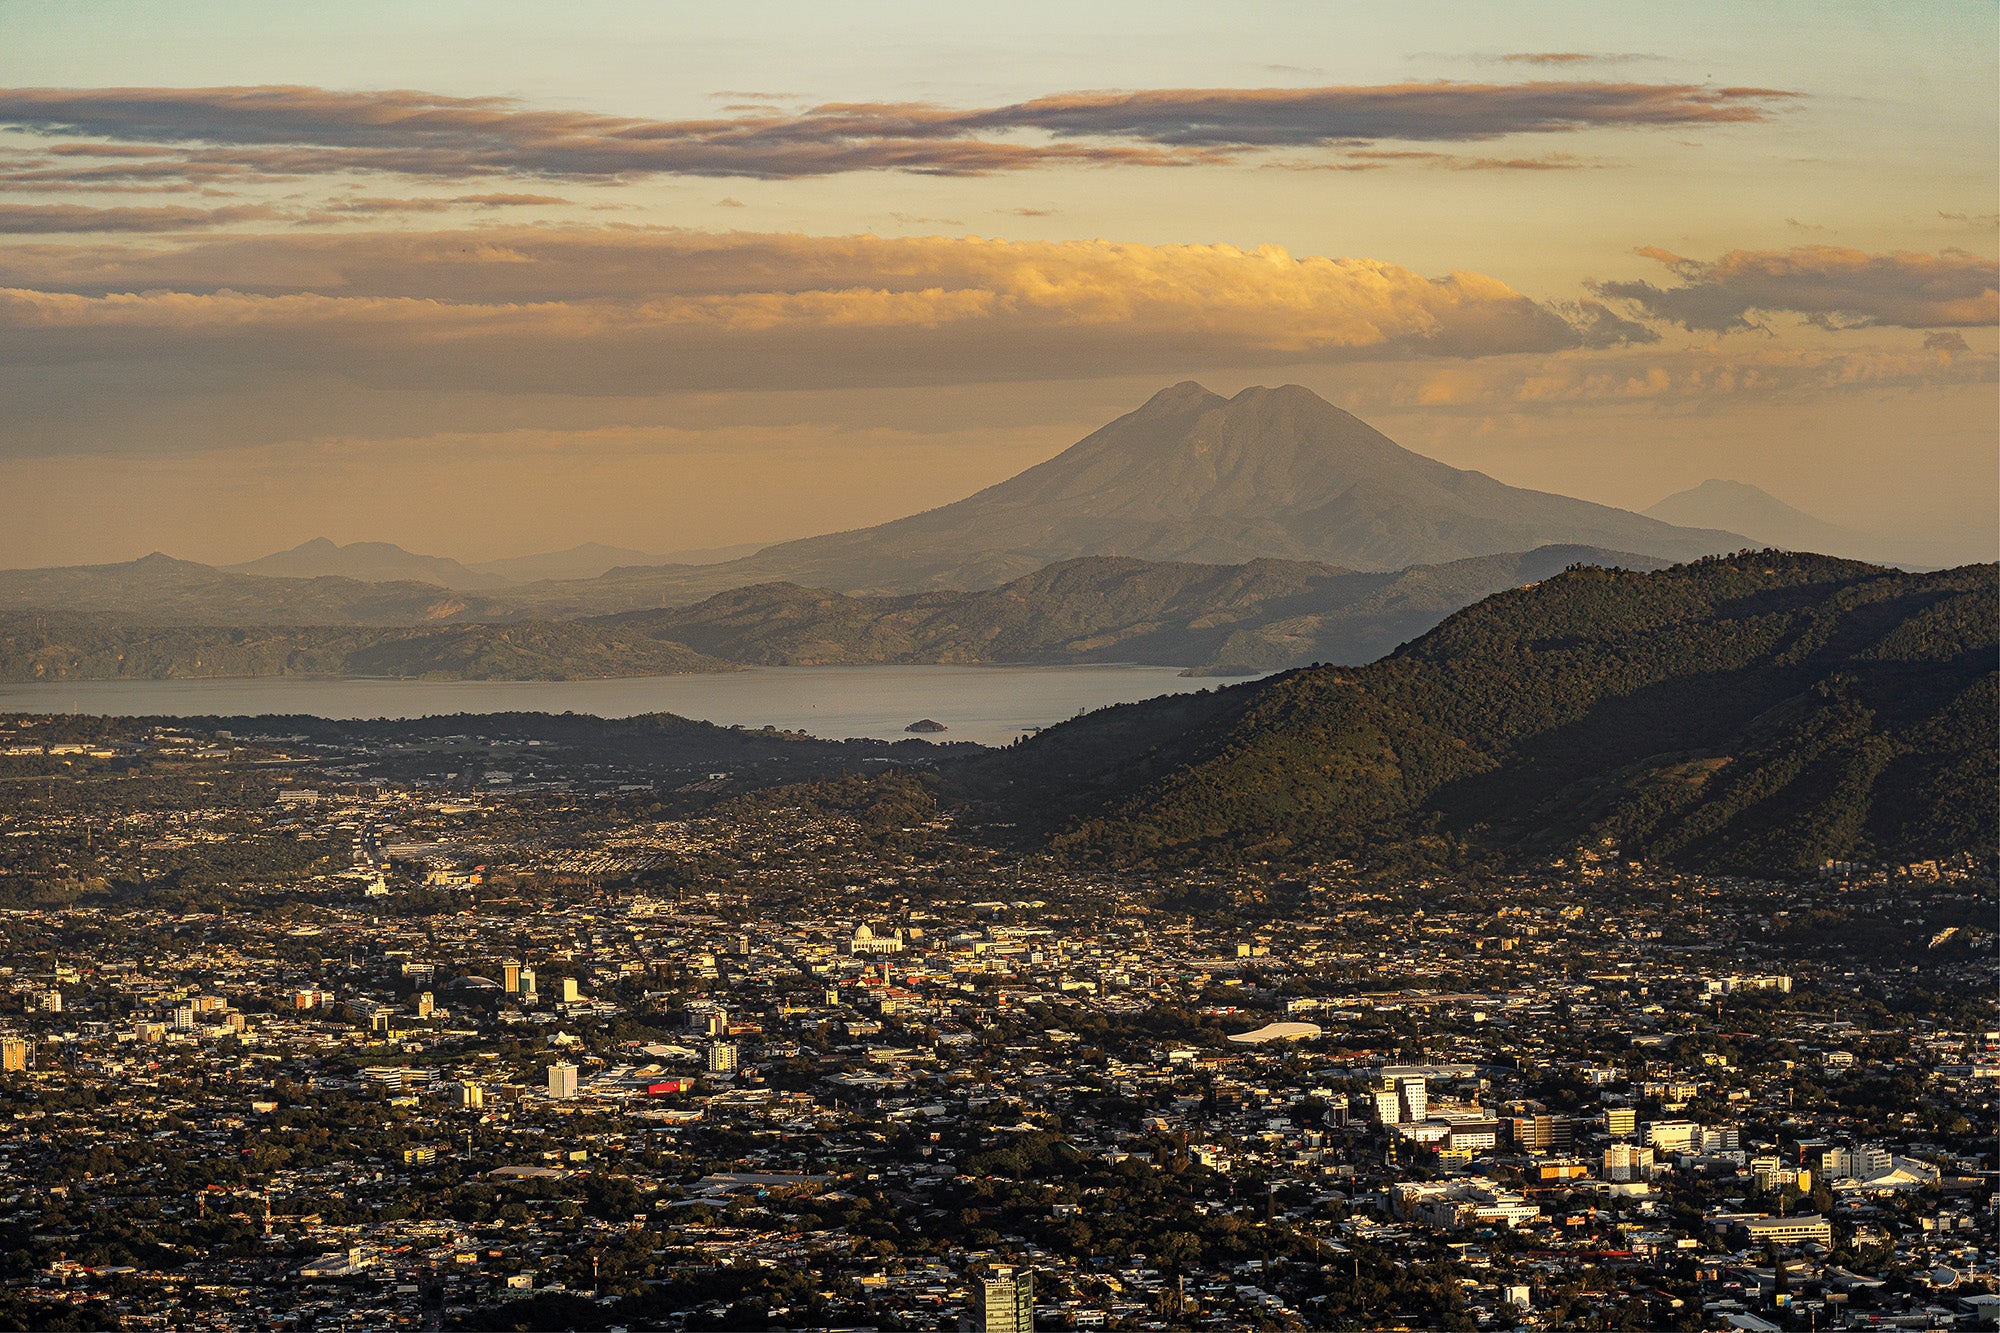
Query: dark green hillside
point(1760, 712)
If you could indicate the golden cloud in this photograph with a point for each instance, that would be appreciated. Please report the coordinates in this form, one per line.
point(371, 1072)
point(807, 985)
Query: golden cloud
point(637, 311)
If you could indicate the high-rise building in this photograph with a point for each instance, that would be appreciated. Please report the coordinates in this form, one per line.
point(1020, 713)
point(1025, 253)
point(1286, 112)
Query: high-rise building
point(1626, 1161)
point(471, 1096)
point(716, 1022)
point(527, 986)
point(1388, 1106)
point(13, 1055)
point(1620, 1120)
point(721, 1057)
point(425, 1004)
point(562, 1081)
point(1007, 1301)
point(510, 975)
point(570, 992)
point(1542, 1133)
point(1415, 1098)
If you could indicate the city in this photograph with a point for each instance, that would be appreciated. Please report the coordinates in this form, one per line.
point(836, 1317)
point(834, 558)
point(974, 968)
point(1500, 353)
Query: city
point(532, 1049)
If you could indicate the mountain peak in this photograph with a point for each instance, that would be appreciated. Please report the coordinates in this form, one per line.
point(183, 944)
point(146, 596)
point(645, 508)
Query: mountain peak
point(1192, 476)
point(370, 562)
point(1740, 507)
point(1186, 396)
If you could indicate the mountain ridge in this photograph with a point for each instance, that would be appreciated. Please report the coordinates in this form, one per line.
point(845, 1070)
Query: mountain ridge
point(1253, 617)
point(1758, 713)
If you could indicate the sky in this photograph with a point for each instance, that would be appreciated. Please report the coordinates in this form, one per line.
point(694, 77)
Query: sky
point(490, 278)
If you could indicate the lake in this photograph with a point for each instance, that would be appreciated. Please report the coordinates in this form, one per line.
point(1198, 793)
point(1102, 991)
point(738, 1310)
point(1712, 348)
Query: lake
point(988, 704)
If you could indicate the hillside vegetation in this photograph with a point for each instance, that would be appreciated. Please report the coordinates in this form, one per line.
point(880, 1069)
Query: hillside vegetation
point(1761, 712)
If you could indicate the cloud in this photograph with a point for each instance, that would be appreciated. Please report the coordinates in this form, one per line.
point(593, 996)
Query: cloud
point(33, 219)
point(1570, 58)
point(633, 311)
point(1600, 326)
point(1691, 380)
point(368, 205)
point(1375, 159)
point(280, 131)
point(1828, 285)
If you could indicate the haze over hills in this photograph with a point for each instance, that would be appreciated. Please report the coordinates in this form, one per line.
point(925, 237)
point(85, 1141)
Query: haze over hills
point(595, 559)
point(367, 562)
point(1740, 507)
point(1259, 616)
point(160, 590)
point(1189, 477)
point(1192, 476)
point(1757, 713)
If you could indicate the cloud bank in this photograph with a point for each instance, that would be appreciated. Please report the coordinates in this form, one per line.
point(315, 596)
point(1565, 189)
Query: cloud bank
point(632, 312)
point(1828, 285)
point(289, 131)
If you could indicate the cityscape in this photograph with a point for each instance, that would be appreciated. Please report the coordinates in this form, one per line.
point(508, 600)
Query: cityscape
point(529, 1049)
point(1129, 665)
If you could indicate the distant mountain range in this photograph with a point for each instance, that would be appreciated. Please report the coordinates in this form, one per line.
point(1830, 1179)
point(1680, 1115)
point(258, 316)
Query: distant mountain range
point(1252, 617)
point(1740, 507)
point(160, 590)
point(1242, 618)
point(367, 562)
point(1759, 713)
point(384, 562)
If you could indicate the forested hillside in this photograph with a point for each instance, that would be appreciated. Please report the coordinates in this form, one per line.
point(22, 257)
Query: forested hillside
point(1761, 712)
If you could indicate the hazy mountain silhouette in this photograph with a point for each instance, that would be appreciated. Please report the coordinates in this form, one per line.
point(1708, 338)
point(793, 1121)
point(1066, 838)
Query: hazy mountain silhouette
point(368, 562)
point(1192, 476)
point(160, 590)
point(595, 559)
point(1741, 507)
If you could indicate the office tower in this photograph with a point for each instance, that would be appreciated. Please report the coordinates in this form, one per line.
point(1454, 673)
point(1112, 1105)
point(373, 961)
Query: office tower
point(1621, 1120)
point(570, 992)
point(471, 1096)
point(562, 1081)
point(716, 1023)
point(13, 1055)
point(510, 976)
point(1007, 1301)
point(1415, 1098)
point(1388, 1107)
point(721, 1057)
point(527, 986)
point(425, 1004)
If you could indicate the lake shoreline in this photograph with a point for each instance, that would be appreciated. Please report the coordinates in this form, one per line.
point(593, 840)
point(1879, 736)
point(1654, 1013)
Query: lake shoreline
point(982, 703)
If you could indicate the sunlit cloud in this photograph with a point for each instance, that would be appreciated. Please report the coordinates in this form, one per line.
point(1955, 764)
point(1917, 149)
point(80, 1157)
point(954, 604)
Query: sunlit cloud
point(635, 311)
point(1828, 285)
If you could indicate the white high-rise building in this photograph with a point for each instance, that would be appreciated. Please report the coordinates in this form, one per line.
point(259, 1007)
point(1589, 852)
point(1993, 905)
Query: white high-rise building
point(562, 1081)
point(1416, 1098)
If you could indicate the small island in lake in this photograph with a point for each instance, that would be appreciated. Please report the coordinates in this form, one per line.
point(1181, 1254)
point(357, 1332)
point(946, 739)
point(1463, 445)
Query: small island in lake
point(927, 724)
